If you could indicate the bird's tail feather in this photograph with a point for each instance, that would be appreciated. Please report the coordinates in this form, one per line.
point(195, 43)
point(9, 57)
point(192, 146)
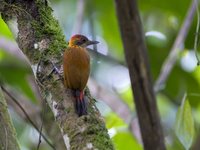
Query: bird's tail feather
point(80, 104)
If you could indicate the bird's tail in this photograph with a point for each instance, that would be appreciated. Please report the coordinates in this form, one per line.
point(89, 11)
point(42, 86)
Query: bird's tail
point(80, 104)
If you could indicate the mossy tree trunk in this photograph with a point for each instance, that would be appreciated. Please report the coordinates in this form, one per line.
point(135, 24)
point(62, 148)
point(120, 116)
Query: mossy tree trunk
point(7, 131)
point(42, 41)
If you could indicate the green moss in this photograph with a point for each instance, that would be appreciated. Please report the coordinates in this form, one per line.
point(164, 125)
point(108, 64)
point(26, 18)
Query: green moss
point(98, 133)
point(95, 132)
point(46, 26)
point(102, 143)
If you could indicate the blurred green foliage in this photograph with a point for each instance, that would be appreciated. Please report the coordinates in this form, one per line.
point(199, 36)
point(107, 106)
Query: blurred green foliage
point(184, 127)
point(4, 30)
point(15, 72)
point(128, 141)
point(161, 22)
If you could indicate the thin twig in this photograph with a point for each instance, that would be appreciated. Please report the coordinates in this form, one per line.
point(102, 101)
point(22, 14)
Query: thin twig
point(197, 33)
point(28, 118)
point(40, 135)
point(39, 139)
point(176, 48)
point(183, 99)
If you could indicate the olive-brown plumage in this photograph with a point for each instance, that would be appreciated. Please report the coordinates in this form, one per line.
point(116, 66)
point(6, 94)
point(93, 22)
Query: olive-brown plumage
point(76, 66)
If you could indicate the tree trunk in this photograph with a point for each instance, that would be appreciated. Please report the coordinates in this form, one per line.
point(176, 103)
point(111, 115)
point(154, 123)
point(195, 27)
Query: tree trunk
point(7, 131)
point(42, 41)
point(137, 60)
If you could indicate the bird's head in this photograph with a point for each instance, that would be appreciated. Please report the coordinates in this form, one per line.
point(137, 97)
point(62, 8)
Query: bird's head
point(81, 40)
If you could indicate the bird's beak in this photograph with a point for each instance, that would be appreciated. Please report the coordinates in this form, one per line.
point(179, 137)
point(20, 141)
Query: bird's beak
point(92, 42)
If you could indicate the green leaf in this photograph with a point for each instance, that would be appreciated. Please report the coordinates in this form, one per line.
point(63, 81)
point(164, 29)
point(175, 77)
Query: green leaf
point(112, 120)
point(184, 127)
point(14, 72)
point(5, 30)
point(129, 141)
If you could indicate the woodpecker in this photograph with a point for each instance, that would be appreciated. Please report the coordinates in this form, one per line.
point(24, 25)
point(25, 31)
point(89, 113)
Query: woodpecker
point(76, 67)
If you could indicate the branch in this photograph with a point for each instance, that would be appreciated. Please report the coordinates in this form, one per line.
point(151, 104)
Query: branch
point(176, 48)
point(41, 40)
point(7, 131)
point(137, 60)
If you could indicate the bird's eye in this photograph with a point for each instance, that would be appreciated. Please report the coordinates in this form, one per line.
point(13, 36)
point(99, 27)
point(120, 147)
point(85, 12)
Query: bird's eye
point(78, 43)
point(84, 40)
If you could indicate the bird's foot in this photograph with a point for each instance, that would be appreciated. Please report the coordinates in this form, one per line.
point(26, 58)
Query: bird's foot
point(58, 71)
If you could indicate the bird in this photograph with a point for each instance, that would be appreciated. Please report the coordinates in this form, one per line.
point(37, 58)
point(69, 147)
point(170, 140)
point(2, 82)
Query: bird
point(76, 69)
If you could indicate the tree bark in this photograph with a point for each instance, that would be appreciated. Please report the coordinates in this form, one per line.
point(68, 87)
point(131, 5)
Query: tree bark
point(137, 60)
point(7, 131)
point(42, 41)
